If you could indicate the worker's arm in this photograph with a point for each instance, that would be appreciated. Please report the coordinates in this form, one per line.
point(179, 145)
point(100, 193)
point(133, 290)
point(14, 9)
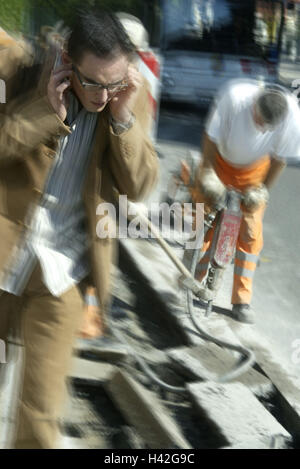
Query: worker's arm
point(207, 180)
point(256, 196)
point(276, 168)
point(216, 130)
point(217, 127)
point(209, 151)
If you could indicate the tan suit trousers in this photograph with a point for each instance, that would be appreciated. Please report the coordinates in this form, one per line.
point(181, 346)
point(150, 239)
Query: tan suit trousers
point(46, 327)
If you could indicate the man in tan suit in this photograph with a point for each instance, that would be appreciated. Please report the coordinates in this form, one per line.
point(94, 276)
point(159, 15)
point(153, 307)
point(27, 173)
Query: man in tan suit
point(75, 139)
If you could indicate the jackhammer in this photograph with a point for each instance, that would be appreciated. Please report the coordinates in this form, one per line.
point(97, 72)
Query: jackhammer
point(227, 216)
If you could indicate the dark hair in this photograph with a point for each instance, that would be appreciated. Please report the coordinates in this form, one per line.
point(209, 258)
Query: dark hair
point(272, 105)
point(98, 31)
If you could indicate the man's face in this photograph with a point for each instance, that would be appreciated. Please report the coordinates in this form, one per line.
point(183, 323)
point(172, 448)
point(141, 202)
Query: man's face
point(96, 70)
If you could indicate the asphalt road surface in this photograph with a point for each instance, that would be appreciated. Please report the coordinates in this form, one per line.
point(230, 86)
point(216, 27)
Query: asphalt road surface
point(276, 297)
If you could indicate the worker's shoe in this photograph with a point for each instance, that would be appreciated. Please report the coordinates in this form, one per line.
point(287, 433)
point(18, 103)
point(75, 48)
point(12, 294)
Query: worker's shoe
point(243, 313)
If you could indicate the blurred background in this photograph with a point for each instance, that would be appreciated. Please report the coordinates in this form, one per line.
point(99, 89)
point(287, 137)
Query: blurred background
point(194, 47)
point(199, 44)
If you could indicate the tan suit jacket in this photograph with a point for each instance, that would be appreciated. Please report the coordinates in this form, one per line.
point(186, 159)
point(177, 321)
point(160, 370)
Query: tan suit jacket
point(29, 135)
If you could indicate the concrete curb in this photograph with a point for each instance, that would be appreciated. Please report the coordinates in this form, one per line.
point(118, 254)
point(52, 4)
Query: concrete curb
point(238, 424)
point(143, 410)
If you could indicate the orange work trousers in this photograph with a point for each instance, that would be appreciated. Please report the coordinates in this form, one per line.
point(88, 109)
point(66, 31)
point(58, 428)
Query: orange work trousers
point(250, 239)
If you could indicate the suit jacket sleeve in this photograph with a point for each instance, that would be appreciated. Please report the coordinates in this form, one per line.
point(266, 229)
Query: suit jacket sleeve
point(29, 120)
point(133, 160)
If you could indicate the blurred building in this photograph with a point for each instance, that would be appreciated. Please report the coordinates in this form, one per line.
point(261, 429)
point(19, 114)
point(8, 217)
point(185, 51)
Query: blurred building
point(14, 15)
point(291, 35)
point(208, 42)
point(202, 43)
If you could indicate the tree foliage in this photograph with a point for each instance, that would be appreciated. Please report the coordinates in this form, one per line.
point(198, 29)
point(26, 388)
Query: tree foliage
point(65, 10)
point(29, 15)
point(13, 14)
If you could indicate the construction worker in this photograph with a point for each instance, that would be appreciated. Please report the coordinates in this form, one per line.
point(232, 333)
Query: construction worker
point(249, 133)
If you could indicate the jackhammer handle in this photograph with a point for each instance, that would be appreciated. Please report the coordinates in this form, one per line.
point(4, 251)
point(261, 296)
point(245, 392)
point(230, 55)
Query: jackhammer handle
point(166, 247)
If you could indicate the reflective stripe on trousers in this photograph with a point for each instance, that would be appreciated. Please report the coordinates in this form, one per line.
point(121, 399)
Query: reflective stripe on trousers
point(250, 240)
point(249, 245)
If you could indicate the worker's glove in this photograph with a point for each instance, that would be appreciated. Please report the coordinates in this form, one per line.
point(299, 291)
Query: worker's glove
point(211, 186)
point(255, 196)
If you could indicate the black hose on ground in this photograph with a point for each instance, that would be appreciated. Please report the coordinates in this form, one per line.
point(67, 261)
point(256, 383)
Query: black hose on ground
point(247, 357)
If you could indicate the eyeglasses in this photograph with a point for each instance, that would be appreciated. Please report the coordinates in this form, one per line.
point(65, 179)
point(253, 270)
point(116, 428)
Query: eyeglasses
point(113, 88)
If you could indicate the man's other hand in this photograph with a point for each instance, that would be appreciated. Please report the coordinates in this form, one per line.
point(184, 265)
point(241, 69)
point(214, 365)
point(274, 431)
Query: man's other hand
point(123, 103)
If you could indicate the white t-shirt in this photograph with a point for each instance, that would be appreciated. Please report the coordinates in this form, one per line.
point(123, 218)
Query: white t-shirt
point(240, 142)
